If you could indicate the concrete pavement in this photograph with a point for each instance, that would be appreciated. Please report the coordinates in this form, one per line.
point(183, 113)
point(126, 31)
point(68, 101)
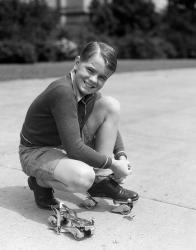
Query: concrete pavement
point(158, 123)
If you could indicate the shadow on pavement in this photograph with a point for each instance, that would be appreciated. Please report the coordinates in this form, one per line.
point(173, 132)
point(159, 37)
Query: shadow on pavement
point(20, 199)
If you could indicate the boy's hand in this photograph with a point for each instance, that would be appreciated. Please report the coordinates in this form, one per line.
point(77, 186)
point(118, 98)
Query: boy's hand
point(121, 168)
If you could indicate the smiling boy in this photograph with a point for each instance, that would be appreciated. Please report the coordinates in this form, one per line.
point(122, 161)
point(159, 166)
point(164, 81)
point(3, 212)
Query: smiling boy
point(70, 138)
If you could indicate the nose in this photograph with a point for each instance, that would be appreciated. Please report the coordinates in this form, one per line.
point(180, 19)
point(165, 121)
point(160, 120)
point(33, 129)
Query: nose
point(93, 78)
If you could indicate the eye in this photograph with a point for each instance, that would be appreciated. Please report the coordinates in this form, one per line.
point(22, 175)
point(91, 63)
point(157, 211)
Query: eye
point(103, 78)
point(91, 70)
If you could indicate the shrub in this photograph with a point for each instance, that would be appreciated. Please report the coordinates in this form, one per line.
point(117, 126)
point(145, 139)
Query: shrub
point(17, 52)
point(140, 46)
point(26, 20)
point(45, 51)
point(65, 49)
point(60, 50)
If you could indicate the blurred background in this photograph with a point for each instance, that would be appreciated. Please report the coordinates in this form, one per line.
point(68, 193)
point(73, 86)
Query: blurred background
point(37, 31)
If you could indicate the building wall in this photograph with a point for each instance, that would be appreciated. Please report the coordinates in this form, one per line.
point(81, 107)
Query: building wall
point(75, 4)
point(74, 12)
point(86, 4)
point(52, 3)
point(79, 5)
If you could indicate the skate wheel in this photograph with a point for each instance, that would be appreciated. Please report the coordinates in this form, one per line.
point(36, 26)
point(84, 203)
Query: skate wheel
point(129, 201)
point(88, 203)
point(122, 209)
point(77, 234)
point(52, 220)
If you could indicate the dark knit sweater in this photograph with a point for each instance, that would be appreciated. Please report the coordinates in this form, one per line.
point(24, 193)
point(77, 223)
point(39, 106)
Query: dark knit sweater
point(55, 118)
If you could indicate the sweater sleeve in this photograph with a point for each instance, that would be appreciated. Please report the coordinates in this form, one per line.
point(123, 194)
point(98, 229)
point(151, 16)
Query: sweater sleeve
point(64, 110)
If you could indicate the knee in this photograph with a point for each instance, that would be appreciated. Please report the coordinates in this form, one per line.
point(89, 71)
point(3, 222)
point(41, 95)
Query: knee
point(84, 179)
point(112, 106)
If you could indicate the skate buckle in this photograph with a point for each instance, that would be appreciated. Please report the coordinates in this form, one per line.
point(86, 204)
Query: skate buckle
point(65, 220)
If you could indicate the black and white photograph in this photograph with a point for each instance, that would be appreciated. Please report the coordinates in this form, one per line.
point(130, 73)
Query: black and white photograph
point(97, 124)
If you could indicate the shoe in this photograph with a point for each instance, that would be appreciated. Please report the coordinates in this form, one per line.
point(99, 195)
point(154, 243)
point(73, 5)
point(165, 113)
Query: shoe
point(109, 188)
point(44, 197)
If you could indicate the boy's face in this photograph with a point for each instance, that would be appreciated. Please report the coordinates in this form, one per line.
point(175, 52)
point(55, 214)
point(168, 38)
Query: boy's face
point(91, 75)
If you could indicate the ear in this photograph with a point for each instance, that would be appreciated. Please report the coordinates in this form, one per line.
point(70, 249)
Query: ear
point(77, 61)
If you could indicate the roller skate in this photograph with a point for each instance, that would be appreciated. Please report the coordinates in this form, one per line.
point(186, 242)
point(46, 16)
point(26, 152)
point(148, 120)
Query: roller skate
point(108, 188)
point(65, 220)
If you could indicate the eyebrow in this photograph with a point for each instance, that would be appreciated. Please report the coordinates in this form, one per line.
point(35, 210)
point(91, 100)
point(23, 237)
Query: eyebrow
point(102, 75)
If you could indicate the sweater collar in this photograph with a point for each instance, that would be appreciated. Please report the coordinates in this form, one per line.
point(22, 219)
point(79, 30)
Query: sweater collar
point(78, 97)
point(76, 92)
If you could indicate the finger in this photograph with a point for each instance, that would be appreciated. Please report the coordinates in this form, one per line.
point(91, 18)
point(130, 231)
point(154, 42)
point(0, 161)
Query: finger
point(130, 171)
point(129, 166)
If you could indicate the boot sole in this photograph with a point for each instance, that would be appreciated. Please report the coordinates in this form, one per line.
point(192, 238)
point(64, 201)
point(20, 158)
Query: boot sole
point(119, 201)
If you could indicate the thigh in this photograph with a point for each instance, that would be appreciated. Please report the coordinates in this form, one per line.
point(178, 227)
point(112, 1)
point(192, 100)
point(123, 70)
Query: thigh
point(73, 175)
point(40, 162)
point(52, 167)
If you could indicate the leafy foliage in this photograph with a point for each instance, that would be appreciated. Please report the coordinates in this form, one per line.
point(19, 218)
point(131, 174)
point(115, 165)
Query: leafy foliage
point(132, 26)
point(180, 26)
point(120, 17)
point(141, 32)
point(29, 31)
point(17, 52)
point(26, 21)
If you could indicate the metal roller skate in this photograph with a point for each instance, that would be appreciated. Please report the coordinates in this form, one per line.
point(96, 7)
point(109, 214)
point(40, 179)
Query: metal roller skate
point(65, 220)
point(108, 188)
point(124, 208)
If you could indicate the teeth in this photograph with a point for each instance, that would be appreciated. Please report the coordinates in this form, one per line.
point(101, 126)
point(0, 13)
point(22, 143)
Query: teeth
point(88, 85)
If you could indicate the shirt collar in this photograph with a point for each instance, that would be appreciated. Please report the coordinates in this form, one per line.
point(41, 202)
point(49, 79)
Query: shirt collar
point(77, 94)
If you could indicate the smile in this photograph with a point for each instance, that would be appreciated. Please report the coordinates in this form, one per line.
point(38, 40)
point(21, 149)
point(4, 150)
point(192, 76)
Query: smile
point(89, 85)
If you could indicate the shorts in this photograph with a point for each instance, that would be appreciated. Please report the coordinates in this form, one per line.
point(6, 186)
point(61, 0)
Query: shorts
point(40, 162)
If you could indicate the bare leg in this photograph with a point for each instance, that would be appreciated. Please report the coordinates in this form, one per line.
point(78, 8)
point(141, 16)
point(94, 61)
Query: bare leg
point(103, 123)
point(76, 176)
point(72, 175)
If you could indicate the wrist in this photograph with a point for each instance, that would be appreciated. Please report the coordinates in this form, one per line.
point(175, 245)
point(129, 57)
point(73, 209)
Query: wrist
point(120, 155)
point(113, 165)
